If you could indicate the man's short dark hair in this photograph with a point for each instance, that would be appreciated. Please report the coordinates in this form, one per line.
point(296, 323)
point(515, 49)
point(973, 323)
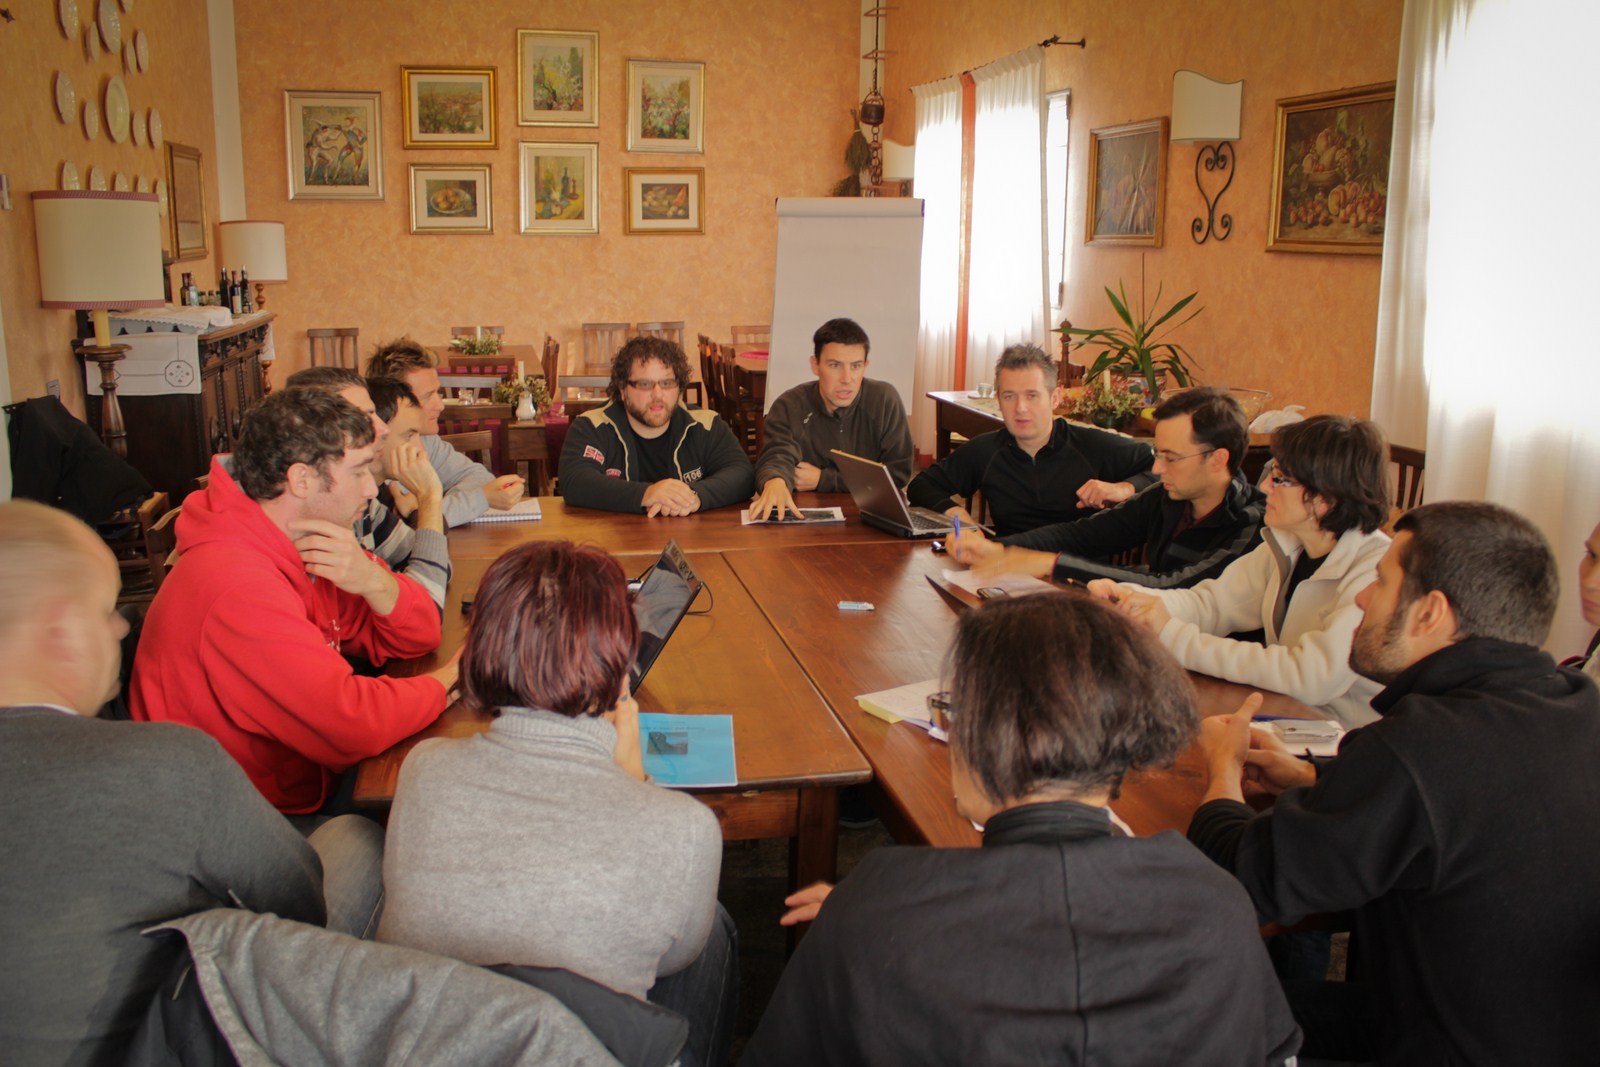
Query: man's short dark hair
point(396, 359)
point(1216, 419)
point(1344, 461)
point(388, 394)
point(327, 379)
point(647, 348)
point(1493, 566)
point(1061, 689)
point(840, 332)
point(295, 426)
point(1026, 357)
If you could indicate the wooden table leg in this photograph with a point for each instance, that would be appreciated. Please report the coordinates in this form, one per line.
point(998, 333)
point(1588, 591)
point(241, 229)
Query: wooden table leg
point(814, 850)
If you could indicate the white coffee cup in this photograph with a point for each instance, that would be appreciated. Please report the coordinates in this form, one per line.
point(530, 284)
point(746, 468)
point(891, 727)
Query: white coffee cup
point(985, 389)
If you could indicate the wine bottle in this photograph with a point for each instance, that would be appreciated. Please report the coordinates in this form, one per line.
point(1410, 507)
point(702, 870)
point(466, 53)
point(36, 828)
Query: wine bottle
point(244, 292)
point(234, 300)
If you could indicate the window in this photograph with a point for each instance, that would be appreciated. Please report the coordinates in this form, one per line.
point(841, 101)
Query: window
point(1056, 105)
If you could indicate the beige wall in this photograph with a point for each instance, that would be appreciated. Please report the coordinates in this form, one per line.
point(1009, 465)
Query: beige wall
point(778, 80)
point(1303, 326)
point(35, 144)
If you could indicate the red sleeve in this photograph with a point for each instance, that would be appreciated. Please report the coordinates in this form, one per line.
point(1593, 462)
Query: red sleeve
point(411, 629)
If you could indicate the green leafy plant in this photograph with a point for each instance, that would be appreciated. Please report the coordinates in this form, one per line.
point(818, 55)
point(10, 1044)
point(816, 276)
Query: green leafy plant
point(1134, 349)
point(857, 158)
point(487, 345)
point(1107, 403)
point(510, 391)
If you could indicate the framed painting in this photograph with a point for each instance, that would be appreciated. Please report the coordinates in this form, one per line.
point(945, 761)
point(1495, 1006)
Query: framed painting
point(448, 107)
point(666, 106)
point(560, 184)
point(664, 199)
point(335, 145)
point(1127, 184)
point(1330, 171)
point(450, 199)
point(558, 78)
point(186, 206)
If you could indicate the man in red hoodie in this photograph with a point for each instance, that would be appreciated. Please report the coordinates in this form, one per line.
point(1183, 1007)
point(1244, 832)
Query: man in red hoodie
point(244, 640)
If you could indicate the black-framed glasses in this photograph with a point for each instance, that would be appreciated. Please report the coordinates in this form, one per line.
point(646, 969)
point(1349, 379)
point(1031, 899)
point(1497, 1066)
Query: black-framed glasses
point(1169, 459)
point(650, 385)
point(1269, 473)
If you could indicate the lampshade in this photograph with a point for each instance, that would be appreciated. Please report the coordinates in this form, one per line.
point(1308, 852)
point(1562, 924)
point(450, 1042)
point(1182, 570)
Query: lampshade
point(1204, 109)
point(98, 250)
point(897, 160)
point(258, 247)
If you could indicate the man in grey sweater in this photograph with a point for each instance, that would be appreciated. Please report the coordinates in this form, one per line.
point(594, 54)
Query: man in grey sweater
point(842, 409)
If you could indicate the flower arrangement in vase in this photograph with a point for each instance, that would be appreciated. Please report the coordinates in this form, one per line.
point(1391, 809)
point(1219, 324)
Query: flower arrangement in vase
point(531, 395)
point(1108, 402)
point(483, 344)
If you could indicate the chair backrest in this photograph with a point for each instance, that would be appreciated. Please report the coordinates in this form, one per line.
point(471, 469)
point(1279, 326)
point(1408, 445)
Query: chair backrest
point(1069, 373)
point(1409, 468)
point(600, 343)
point(671, 331)
point(476, 444)
point(334, 347)
point(140, 548)
point(471, 331)
point(706, 345)
point(746, 338)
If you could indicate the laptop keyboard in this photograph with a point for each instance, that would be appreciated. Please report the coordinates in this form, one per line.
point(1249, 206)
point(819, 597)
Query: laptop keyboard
point(926, 523)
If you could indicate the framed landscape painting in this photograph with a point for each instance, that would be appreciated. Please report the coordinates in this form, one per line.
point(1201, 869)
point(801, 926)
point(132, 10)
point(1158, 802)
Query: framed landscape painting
point(559, 186)
point(450, 199)
point(664, 199)
point(1330, 171)
point(448, 107)
point(666, 106)
point(335, 145)
point(558, 78)
point(1127, 184)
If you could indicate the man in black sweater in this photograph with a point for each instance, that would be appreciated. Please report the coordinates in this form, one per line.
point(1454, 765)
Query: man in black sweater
point(1460, 827)
point(1200, 518)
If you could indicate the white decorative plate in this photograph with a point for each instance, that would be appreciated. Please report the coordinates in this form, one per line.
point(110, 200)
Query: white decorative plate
point(67, 15)
point(130, 62)
point(142, 185)
point(91, 119)
point(154, 124)
point(138, 128)
point(69, 176)
point(161, 195)
point(127, 5)
point(118, 114)
point(110, 23)
point(66, 97)
point(119, 182)
point(91, 42)
point(141, 48)
point(97, 179)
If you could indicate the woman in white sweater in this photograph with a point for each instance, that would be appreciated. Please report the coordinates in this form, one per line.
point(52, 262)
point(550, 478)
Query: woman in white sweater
point(1327, 496)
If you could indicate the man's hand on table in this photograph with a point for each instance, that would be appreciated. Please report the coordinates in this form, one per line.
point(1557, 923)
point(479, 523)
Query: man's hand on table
point(804, 905)
point(670, 496)
point(1097, 494)
point(807, 477)
point(331, 552)
point(447, 674)
point(774, 498)
point(990, 560)
point(959, 512)
point(503, 492)
point(1141, 607)
point(1224, 742)
point(1270, 766)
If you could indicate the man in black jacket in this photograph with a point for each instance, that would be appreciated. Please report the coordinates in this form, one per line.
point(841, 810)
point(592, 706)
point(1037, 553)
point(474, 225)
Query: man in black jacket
point(645, 451)
point(1200, 518)
point(1460, 826)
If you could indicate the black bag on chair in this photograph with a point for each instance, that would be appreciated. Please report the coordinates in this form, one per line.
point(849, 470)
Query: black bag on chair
point(58, 460)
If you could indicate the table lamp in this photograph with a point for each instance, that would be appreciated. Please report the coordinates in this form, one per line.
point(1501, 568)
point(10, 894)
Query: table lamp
point(1204, 109)
point(258, 247)
point(97, 251)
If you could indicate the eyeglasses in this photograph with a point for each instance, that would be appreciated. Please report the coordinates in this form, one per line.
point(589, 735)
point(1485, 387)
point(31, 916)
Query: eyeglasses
point(650, 385)
point(1269, 473)
point(1169, 459)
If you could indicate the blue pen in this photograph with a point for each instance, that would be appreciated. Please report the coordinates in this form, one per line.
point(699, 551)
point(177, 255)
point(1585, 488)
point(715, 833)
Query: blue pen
point(957, 520)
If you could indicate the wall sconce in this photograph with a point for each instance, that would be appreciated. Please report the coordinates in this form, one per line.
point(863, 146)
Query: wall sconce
point(258, 247)
point(97, 251)
point(1208, 110)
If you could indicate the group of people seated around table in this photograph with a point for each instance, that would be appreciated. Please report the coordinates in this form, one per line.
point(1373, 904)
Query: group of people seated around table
point(1449, 825)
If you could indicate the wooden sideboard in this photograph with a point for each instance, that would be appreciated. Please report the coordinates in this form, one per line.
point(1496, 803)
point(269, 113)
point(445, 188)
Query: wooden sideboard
point(172, 436)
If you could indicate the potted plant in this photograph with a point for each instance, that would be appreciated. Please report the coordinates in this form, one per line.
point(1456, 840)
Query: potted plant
point(531, 395)
point(483, 345)
point(1134, 349)
point(1107, 402)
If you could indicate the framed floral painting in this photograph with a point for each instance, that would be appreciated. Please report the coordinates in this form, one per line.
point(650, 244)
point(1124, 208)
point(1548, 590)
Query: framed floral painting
point(1127, 184)
point(450, 199)
point(558, 78)
point(448, 107)
point(335, 145)
point(1330, 171)
point(664, 199)
point(666, 106)
point(559, 187)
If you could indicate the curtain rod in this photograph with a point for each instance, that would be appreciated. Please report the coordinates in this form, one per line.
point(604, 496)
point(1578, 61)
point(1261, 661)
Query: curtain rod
point(1053, 39)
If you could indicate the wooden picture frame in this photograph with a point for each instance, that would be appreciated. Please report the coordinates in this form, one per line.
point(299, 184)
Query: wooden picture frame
point(451, 199)
point(558, 78)
point(187, 227)
point(666, 106)
point(1127, 184)
point(448, 107)
point(560, 183)
point(664, 199)
point(1330, 171)
point(335, 144)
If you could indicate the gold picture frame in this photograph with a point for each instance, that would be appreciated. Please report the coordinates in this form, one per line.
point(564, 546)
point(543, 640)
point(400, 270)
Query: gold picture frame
point(448, 107)
point(1330, 171)
point(186, 203)
point(664, 200)
point(1127, 184)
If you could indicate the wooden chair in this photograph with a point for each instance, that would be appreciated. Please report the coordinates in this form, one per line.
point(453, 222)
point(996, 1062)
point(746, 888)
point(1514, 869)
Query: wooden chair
point(471, 331)
point(671, 331)
point(750, 338)
point(550, 364)
point(334, 347)
point(600, 343)
point(1409, 468)
point(1068, 373)
point(475, 444)
point(463, 419)
point(141, 537)
point(750, 390)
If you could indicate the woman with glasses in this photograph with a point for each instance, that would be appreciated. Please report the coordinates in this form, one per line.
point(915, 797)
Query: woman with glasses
point(1060, 941)
point(1327, 492)
point(540, 842)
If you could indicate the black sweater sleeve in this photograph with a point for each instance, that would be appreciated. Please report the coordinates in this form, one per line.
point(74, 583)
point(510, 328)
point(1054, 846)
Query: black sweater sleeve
point(958, 474)
point(584, 481)
point(729, 477)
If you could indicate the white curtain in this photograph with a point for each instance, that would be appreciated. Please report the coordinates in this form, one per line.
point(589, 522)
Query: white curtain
point(1006, 301)
point(1486, 326)
point(936, 178)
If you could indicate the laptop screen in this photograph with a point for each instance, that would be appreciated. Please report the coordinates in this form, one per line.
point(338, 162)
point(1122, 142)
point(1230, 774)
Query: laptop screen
point(664, 596)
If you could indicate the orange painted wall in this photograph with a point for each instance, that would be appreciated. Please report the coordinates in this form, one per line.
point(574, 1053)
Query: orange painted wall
point(779, 78)
point(1302, 326)
point(36, 143)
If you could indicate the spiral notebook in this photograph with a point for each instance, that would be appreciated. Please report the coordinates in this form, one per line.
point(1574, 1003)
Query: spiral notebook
point(522, 511)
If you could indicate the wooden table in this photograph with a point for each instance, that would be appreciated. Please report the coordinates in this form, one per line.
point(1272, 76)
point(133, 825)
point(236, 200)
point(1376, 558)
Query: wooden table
point(792, 754)
point(904, 641)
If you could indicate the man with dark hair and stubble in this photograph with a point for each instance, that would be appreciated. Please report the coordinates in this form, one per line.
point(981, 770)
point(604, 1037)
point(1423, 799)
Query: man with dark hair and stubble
point(1459, 827)
point(244, 640)
point(1201, 516)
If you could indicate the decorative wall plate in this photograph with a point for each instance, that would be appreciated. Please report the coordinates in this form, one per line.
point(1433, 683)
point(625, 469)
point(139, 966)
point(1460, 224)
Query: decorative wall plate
point(119, 182)
point(110, 23)
point(141, 48)
point(142, 185)
point(91, 41)
point(153, 122)
point(130, 62)
point(66, 97)
point(161, 195)
point(91, 119)
point(127, 5)
point(97, 179)
point(118, 114)
point(137, 124)
point(67, 16)
point(69, 176)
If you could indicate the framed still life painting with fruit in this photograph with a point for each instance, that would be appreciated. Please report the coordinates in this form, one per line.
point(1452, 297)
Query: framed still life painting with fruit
point(1330, 171)
point(450, 199)
point(664, 199)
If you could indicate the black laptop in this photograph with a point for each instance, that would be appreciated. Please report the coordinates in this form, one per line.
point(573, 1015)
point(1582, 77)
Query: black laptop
point(881, 502)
